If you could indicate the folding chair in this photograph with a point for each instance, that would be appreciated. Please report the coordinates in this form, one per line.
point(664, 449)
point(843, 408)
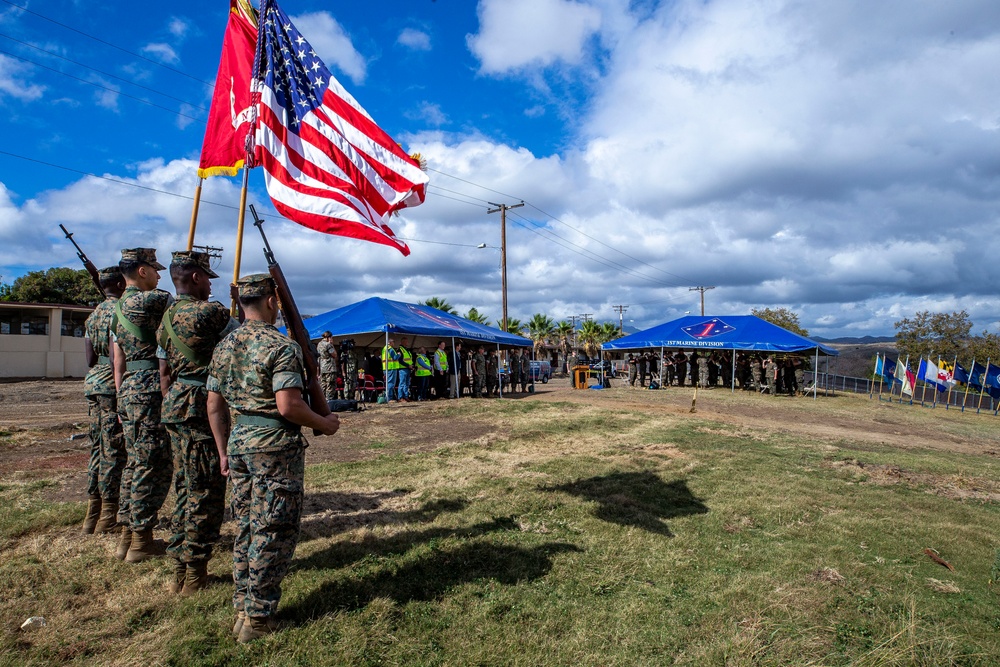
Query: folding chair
point(366, 388)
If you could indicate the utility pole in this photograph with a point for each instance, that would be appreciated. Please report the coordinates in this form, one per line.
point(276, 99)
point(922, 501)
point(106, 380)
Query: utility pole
point(502, 208)
point(701, 289)
point(621, 318)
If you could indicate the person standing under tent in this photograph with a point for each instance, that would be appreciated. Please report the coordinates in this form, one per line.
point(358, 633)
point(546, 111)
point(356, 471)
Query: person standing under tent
point(424, 371)
point(327, 365)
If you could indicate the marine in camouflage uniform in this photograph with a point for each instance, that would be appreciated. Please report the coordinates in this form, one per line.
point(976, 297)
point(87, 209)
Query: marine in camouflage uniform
point(525, 371)
point(188, 334)
point(263, 451)
point(148, 470)
point(703, 371)
point(327, 366)
point(479, 373)
point(515, 369)
point(107, 446)
point(350, 367)
point(492, 373)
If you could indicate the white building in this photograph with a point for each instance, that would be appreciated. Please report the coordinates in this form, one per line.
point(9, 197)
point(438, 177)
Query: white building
point(42, 340)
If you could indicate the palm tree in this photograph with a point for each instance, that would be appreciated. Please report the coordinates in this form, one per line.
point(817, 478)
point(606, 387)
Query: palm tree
point(515, 326)
point(590, 337)
point(440, 304)
point(564, 332)
point(540, 328)
point(476, 316)
point(609, 331)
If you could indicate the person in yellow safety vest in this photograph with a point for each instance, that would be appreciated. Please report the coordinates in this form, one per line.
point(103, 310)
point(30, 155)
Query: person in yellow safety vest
point(440, 371)
point(390, 367)
point(423, 371)
point(405, 368)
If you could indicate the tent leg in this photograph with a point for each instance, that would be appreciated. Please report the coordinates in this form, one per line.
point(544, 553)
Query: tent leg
point(732, 380)
point(816, 374)
point(499, 376)
point(458, 377)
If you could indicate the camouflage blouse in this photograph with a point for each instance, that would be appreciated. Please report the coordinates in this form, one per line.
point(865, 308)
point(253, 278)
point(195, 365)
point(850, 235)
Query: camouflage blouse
point(144, 310)
point(199, 325)
point(248, 367)
point(100, 379)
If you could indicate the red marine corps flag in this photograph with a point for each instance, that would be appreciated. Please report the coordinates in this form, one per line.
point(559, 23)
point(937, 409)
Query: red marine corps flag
point(225, 145)
point(327, 165)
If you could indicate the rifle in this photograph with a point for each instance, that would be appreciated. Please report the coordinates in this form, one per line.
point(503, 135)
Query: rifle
point(293, 322)
point(87, 264)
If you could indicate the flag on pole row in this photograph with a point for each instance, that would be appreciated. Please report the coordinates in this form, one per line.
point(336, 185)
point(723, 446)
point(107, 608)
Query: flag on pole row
point(888, 370)
point(976, 375)
point(992, 381)
point(946, 372)
point(225, 145)
point(905, 377)
point(928, 372)
point(327, 165)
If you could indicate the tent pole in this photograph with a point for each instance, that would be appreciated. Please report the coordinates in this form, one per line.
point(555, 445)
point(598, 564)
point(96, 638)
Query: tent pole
point(732, 380)
point(816, 374)
point(499, 377)
point(458, 377)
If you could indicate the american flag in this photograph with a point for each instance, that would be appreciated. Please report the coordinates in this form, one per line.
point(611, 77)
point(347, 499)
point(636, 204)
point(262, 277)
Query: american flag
point(327, 165)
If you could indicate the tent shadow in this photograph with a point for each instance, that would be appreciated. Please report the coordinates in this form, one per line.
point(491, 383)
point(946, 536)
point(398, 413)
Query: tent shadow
point(429, 578)
point(330, 512)
point(639, 499)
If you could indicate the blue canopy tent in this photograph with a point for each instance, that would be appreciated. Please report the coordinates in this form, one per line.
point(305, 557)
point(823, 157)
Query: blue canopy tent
point(372, 321)
point(731, 332)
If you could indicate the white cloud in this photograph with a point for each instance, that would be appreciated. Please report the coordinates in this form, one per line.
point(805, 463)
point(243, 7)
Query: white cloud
point(418, 40)
point(178, 27)
point(162, 52)
point(514, 34)
point(429, 113)
point(15, 80)
point(332, 44)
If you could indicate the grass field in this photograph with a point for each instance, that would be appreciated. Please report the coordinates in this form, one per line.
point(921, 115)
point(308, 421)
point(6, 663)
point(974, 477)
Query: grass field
point(578, 528)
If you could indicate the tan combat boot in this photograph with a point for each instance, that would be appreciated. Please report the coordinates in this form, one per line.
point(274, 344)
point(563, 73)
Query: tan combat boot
point(241, 617)
point(108, 520)
point(196, 578)
point(177, 581)
point(93, 513)
point(255, 627)
point(124, 542)
point(142, 547)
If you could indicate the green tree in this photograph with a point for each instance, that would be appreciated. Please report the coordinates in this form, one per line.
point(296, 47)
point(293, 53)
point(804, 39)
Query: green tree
point(783, 317)
point(933, 334)
point(515, 326)
point(540, 328)
point(609, 332)
point(590, 337)
point(477, 317)
point(986, 346)
point(564, 332)
point(55, 285)
point(440, 304)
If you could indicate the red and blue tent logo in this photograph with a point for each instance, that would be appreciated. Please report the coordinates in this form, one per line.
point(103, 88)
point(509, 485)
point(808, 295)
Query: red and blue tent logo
point(708, 329)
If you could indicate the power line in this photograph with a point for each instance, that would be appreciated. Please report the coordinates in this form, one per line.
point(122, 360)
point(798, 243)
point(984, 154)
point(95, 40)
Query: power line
point(106, 43)
point(101, 72)
point(97, 85)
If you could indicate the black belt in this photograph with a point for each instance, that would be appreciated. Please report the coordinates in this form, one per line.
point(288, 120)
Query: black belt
point(141, 365)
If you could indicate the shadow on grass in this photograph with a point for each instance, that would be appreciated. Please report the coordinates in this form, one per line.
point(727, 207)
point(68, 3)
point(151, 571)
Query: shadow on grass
point(330, 512)
point(430, 578)
point(639, 499)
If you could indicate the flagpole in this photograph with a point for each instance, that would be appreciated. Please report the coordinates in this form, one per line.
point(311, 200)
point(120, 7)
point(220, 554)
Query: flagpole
point(923, 389)
point(951, 384)
point(936, 392)
point(965, 396)
point(881, 376)
point(906, 368)
point(982, 386)
point(194, 213)
point(239, 233)
point(871, 388)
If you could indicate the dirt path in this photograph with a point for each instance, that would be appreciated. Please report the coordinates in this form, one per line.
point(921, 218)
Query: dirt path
point(38, 418)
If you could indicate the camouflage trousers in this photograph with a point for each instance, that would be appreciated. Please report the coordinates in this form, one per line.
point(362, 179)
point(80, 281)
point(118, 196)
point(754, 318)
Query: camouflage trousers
point(479, 385)
point(703, 377)
point(148, 469)
point(267, 506)
point(107, 448)
point(200, 489)
point(329, 384)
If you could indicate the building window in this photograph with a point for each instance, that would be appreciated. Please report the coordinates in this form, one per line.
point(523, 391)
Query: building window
point(24, 322)
point(72, 323)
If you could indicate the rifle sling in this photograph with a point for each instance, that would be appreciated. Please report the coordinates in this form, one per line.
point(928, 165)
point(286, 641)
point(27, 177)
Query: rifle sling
point(184, 349)
point(144, 335)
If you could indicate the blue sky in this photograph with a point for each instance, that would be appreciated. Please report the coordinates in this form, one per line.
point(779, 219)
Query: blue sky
point(839, 159)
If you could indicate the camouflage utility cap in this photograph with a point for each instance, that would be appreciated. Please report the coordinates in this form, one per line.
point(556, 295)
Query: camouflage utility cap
point(144, 255)
point(109, 273)
point(192, 258)
point(256, 284)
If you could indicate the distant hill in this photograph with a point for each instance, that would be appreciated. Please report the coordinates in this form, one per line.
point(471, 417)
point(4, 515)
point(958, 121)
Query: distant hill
point(847, 340)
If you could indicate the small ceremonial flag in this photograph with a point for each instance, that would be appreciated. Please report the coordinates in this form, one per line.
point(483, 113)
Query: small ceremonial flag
point(225, 144)
point(928, 372)
point(992, 380)
point(905, 377)
point(976, 375)
point(888, 370)
point(946, 372)
point(327, 165)
point(960, 375)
